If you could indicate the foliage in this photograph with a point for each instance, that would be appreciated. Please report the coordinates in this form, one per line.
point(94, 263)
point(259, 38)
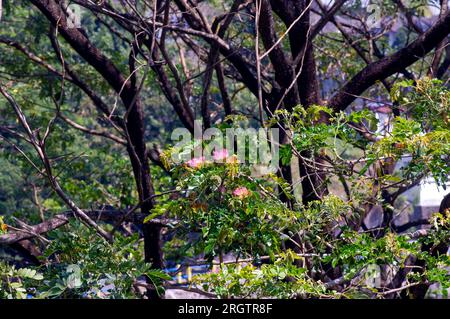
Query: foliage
point(235, 213)
point(3, 226)
point(17, 283)
point(358, 157)
point(280, 279)
point(88, 267)
point(425, 138)
point(231, 211)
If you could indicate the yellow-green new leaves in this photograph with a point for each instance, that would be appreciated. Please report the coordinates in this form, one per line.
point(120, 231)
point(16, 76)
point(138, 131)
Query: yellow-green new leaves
point(3, 226)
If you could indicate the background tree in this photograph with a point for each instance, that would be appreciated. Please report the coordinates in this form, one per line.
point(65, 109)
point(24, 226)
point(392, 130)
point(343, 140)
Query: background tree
point(105, 78)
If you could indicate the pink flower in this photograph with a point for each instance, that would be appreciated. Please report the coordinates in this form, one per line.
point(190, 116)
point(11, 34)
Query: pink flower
point(196, 162)
point(220, 155)
point(233, 159)
point(241, 192)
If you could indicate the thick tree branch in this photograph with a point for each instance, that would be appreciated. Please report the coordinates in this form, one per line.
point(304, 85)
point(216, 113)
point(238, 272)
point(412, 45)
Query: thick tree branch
point(390, 65)
point(105, 215)
point(39, 145)
point(326, 18)
point(284, 73)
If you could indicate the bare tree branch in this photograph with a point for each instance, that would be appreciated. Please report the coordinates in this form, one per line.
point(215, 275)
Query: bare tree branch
point(392, 64)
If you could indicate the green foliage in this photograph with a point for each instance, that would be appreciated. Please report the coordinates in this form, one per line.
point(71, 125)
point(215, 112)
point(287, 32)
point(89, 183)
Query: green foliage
point(312, 136)
point(88, 267)
point(357, 251)
point(3, 227)
point(280, 279)
point(428, 102)
point(15, 283)
point(249, 222)
point(425, 138)
point(218, 209)
point(259, 223)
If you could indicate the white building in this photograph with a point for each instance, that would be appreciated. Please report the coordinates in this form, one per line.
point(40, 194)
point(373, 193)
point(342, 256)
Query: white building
point(429, 194)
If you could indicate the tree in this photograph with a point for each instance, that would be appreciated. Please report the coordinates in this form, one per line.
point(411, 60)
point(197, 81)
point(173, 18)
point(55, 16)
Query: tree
point(211, 61)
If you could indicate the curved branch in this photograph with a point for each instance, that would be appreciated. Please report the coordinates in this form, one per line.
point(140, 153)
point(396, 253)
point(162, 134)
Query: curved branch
point(390, 65)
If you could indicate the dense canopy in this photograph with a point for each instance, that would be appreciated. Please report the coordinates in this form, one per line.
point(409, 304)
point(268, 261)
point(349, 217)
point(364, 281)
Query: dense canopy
point(272, 147)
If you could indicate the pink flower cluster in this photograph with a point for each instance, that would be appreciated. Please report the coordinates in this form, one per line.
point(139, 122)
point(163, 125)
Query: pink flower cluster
point(220, 155)
point(241, 192)
point(196, 162)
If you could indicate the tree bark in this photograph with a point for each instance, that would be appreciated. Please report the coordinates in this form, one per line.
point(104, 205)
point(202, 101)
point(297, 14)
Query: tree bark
point(134, 125)
point(392, 64)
